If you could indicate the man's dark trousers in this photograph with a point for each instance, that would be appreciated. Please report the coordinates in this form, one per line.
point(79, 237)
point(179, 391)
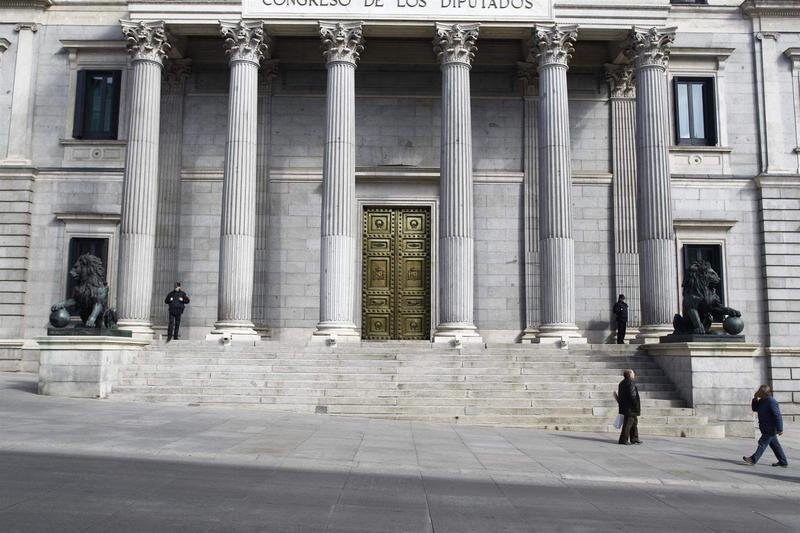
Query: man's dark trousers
point(174, 325)
point(622, 325)
point(770, 439)
point(630, 429)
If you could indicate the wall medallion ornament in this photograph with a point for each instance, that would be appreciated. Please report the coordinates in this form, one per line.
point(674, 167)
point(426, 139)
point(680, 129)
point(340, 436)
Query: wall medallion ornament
point(621, 81)
point(649, 47)
point(456, 43)
point(341, 41)
point(553, 45)
point(245, 41)
point(147, 41)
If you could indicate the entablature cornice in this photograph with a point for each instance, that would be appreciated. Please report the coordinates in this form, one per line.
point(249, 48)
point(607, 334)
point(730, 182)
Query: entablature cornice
point(771, 8)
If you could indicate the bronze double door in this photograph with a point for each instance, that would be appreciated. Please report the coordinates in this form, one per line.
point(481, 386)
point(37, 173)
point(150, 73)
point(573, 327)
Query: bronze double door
point(396, 273)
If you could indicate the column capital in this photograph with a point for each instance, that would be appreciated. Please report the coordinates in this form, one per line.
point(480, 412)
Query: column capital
point(342, 41)
point(528, 73)
point(649, 47)
point(4, 44)
point(147, 41)
point(26, 26)
point(456, 43)
point(174, 75)
point(267, 74)
point(245, 41)
point(553, 45)
point(621, 80)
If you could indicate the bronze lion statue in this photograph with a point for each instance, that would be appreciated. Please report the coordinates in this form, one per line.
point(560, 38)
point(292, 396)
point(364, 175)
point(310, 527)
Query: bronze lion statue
point(90, 294)
point(701, 304)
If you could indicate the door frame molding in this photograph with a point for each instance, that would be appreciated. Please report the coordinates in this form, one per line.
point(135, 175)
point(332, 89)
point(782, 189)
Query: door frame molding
point(381, 201)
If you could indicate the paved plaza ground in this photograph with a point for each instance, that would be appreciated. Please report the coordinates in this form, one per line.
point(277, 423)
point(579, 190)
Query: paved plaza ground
point(101, 466)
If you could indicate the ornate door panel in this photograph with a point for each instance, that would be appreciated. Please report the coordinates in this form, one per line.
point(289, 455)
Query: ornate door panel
point(396, 277)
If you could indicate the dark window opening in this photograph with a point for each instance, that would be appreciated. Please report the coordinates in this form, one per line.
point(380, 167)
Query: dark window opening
point(97, 104)
point(695, 112)
point(85, 245)
point(706, 252)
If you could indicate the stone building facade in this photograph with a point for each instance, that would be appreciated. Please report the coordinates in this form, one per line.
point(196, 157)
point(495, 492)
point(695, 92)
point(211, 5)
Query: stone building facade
point(492, 171)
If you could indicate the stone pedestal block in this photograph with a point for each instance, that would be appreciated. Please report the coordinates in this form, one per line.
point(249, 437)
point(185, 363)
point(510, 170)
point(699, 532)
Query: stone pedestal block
point(716, 379)
point(83, 367)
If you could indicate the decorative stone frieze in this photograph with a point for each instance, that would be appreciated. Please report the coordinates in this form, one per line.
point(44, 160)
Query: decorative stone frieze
point(553, 44)
point(456, 43)
point(649, 47)
point(147, 41)
point(341, 41)
point(621, 81)
point(245, 41)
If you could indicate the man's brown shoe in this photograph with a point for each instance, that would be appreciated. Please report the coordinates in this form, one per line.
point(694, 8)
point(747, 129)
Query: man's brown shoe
point(748, 460)
point(782, 465)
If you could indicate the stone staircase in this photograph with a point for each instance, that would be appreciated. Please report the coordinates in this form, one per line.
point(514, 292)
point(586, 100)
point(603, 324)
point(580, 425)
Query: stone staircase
point(504, 385)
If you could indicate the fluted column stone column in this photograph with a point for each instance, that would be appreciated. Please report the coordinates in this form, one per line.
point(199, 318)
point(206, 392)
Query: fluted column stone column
point(553, 48)
point(342, 44)
point(269, 69)
point(455, 46)
point(622, 92)
point(147, 45)
point(169, 186)
point(246, 44)
point(649, 49)
point(526, 71)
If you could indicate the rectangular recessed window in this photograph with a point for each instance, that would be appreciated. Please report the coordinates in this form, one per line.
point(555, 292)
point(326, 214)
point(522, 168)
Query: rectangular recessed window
point(97, 104)
point(706, 252)
point(695, 111)
point(85, 245)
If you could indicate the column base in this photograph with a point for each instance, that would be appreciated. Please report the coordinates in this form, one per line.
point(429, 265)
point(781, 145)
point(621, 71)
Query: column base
point(560, 334)
point(140, 329)
point(529, 335)
point(233, 331)
point(333, 332)
point(652, 333)
point(457, 334)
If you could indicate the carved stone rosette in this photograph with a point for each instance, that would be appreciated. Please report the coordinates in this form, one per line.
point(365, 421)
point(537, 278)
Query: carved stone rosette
point(621, 81)
point(174, 75)
point(456, 43)
point(245, 41)
point(649, 47)
point(342, 41)
point(147, 41)
point(553, 45)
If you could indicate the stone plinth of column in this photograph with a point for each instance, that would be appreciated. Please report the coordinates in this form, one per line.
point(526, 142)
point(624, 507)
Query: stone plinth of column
point(246, 44)
point(20, 118)
point(342, 44)
point(649, 49)
point(623, 164)
point(455, 46)
point(147, 45)
point(169, 194)
point(552, 47)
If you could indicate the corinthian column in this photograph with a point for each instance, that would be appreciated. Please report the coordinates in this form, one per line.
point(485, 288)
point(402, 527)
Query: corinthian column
point(342, 44)
point(455, 46)
point(147, 45)
point(169, 186)
point(245, 44)
point(553, 47)
point(623, 165)
point(649, 49)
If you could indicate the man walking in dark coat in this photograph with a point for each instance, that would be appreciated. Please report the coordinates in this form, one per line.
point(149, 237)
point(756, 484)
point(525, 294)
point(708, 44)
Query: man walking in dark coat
point(621, 310)
point(630, 407)
point(176, 300)
point(770, 423)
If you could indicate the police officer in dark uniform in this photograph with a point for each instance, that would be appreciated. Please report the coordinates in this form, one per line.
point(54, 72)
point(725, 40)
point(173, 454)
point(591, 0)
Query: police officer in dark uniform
point(176, 301)
point(621, 310)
